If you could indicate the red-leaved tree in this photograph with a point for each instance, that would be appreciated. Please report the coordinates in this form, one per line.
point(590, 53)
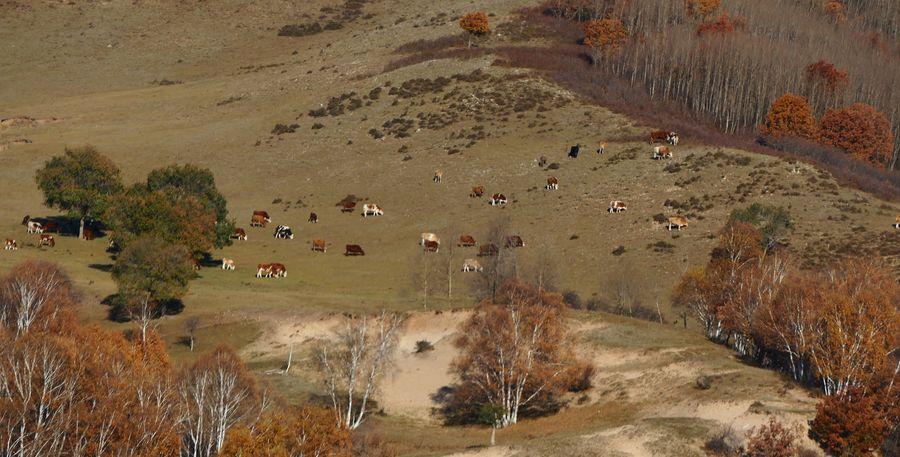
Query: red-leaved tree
point(790, 115)
point(860, 130)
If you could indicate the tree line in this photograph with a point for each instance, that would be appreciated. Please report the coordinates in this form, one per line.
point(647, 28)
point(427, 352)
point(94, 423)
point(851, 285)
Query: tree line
point(837, 329)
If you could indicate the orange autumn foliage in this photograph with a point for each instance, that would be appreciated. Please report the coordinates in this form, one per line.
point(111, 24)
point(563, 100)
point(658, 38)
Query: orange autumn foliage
point(773, 439)
point(861, 131)
point(824, 74)
point(835, 9)
point(605, 35)
point(791, 115)
point(306, 431)
point(475, 23)
point(723, 25)
point(702, 8)
point(853, 425)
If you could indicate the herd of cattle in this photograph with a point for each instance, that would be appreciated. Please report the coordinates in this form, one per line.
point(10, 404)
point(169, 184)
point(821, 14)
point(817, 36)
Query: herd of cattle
point(430, 242)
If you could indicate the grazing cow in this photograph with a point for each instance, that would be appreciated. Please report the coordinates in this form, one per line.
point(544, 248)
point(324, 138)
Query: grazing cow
point(10, 245)
point(318, 245)
point(498, 200)
point(466, 241)
point(673, 139)
point(354, 249)
point(477, 191)
point(487, 250)
point(542, 162)
point(348, 207)
point(661, 152)
point(239, 234)
point(659, 136)
point(264, 214)
point(313, 218)
point(278, 270)
point(47, 240)
point(429, 237)
point(264, 270)
point(88, 234)
point(897, 223)
point(284, 232)
point(552, 183)
point(514, 241)
point(258, 221)
point(227, 264)
point(471, 265)
point(51, 226)
point(601, 149)
point(574, 150)
point(616, 206)
point(26, 219)
point(195, 264)
point(677, 222)
point(438, 176)
point(371, 209)
point(34, 227)
point(431, 246)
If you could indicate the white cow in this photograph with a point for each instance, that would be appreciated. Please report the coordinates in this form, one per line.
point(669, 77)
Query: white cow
point(472, 265)
point(371, 209)
point(426, 236)
point(34, 227)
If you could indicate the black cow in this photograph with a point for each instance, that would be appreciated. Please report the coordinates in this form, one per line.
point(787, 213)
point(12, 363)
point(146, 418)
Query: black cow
point(574, 150)
point(313, 218)
point(284, 232)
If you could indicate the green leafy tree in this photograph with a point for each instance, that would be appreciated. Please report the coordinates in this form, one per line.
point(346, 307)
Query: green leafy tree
point(773, 222)
point(190, 180)
point(173, 216)
point(149, 273)
point(82, 183)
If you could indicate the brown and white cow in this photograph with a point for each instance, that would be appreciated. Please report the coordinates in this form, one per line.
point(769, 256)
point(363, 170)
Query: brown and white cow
point(318, 245)
point(542, 162)
point(477, 191)
point(438, 176)
point(227, 264)
point(264, 270)
point(498, 200)
point(34, 227)
point(661, 152)
point(427, 236)
point(354, 249)
point(348, 207)
point(552, 183)
point(46, 240)
point(195, 264)
point(313, 218)
point(239, 234)
point(677, 222)
point(264, 214)
point(601, 149)
point(487, 250)
point(87, 234)
point(466, 241)
point(278, 270)
point(897, 223)
point(661, 136)
point(431, 246)
point(371, 209)
point(616, 206)
point(10, 245)
point(472, 265)
point(258, 221)
point(514, 241)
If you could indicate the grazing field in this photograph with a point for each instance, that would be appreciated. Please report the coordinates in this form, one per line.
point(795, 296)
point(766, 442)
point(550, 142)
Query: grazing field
point(294, 125)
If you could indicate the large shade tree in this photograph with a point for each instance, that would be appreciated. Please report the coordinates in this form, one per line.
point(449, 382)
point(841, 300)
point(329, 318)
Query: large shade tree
point(82, 182)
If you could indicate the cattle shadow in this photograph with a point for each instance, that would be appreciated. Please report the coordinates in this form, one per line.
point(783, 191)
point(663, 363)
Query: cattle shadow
point(104, 267)
point(119, 310)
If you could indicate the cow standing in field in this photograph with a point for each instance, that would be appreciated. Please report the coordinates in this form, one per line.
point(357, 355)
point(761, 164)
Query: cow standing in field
point(348, 207)
point(426, 236)
point(601, 149)
point(472, 265)
point(353, 249)
point(371, 209)
point(278, 270)
point(313, 218)
point(438, 176)
point(661, 136)
point(552, 183)
point(284, 232)
point(466, 241)
point(574, 150)
point(677, 222)
point(239, 234)
point(498, 200)
point(661, 152)
point(318, 245)
point(258, 221)
point(46, 240)
point(34, 227)
point(514, 241)
point(88, 234)
point(264, 270)
point(227, 264)
point(263, 214)
point(897, 223)
point(26, 219)
point(195, 264)
point(542, 162)
point(10, 245)
point(431, 246)
point(617, 206)
point(477, 191)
